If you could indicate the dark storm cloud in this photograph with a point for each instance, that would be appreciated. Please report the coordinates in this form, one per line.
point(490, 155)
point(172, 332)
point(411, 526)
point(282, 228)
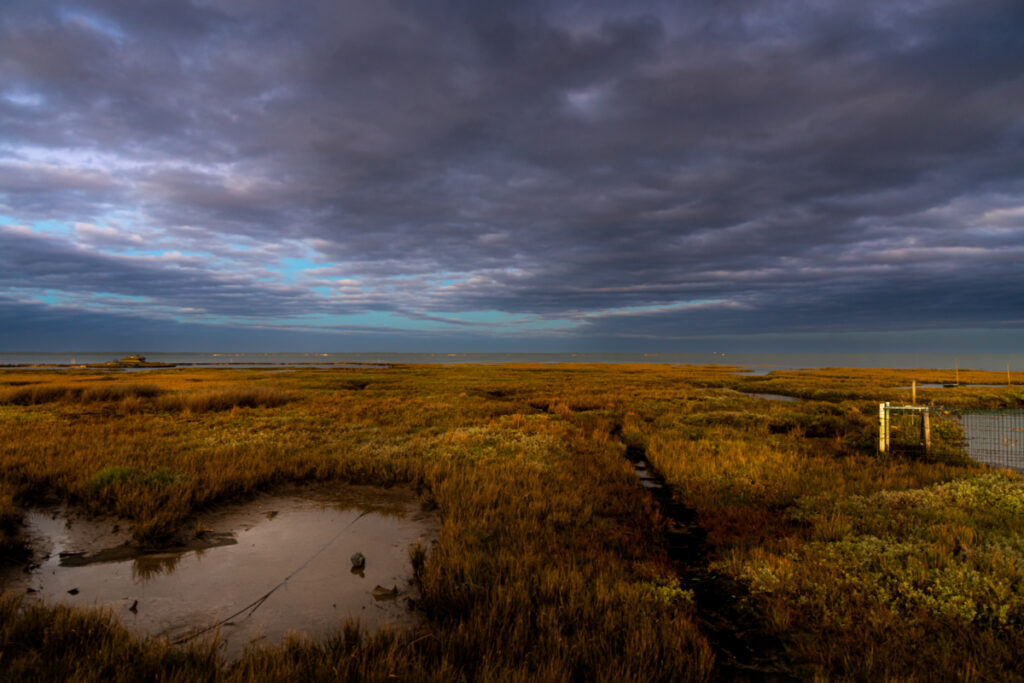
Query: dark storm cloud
point(645, 168)
point(175, 282)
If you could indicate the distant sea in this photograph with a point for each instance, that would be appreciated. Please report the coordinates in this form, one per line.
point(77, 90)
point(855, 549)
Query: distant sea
point(753, 362)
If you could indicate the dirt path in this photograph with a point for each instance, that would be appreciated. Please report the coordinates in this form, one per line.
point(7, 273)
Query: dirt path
point(744, 651)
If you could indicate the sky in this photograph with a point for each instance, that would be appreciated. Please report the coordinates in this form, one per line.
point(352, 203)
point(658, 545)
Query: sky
point(394, 175)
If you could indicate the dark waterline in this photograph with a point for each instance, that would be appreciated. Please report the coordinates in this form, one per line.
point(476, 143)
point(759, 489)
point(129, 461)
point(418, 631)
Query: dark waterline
point(755, 363)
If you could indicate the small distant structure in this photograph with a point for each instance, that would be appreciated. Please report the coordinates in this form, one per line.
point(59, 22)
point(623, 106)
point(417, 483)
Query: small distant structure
point(132, 360)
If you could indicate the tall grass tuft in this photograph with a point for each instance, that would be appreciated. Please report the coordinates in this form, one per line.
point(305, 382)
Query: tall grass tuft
point(49, 393)
point(213, 400)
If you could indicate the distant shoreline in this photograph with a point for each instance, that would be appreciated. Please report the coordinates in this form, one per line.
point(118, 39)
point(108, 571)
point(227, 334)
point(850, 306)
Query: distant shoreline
point(754, 363)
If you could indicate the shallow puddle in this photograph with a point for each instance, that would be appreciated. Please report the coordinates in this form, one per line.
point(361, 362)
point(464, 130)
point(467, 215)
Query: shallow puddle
point(648, 479)
point(258, 571)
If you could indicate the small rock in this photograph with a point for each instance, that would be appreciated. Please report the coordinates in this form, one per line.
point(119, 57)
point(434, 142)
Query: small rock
point(73, 591)
point(358, 561)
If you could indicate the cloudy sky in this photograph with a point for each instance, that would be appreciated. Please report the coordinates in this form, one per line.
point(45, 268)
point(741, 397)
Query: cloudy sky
point(468, 175)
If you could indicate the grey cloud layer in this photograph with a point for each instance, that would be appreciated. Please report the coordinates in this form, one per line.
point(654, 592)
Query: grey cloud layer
point(844, 166)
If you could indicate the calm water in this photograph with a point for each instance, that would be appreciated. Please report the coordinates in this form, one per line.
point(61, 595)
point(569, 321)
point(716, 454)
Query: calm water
point(756, 363)
point(294, 549)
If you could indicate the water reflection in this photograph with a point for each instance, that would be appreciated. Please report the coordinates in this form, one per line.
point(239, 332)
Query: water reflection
point(146, 567)
point(295, 549)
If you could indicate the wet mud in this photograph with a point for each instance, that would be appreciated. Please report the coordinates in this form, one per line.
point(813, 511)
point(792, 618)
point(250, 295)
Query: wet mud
point(744, 650)
point(251, 573)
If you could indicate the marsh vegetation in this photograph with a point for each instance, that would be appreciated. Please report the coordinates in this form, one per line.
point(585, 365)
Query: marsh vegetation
point(551, 562)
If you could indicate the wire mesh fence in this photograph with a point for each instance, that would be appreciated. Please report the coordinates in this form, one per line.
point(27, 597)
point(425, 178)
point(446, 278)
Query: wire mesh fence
point(994, 437)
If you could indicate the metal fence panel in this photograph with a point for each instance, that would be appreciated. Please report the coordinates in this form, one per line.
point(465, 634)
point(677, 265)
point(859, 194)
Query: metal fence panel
point(994, 437)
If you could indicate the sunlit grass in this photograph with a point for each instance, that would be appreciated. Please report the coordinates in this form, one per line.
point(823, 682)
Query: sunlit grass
point(871, 568)
point(548, 566)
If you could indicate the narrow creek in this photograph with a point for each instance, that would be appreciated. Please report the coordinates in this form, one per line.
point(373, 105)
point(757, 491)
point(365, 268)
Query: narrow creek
point(744, 651)
point(255, 572)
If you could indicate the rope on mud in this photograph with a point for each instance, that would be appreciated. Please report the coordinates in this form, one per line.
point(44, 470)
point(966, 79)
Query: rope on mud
point(255, 604)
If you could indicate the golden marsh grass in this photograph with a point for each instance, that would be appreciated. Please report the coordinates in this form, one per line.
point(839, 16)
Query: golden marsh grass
point(549, 566)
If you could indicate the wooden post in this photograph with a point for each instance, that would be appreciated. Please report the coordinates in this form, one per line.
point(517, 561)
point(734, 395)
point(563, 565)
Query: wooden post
point(913, 392)
point(926, 429)
point(1007, 374)
point(957, 363)
point(883, 428)
point(889, 425)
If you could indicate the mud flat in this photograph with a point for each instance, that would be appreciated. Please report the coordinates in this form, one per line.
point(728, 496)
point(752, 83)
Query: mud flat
point(249, 573)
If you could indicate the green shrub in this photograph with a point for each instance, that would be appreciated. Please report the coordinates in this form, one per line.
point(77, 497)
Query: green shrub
point(114, 476)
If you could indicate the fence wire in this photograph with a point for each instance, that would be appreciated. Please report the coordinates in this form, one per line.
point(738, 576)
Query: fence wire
point(906, 431)
point(994, 437)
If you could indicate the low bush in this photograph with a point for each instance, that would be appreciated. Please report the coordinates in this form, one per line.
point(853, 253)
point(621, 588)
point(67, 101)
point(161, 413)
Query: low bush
point(49, 393)
point(213, 400)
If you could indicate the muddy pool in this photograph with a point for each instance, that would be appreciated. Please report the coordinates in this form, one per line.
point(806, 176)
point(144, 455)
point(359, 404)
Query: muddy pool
point(249, 573)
